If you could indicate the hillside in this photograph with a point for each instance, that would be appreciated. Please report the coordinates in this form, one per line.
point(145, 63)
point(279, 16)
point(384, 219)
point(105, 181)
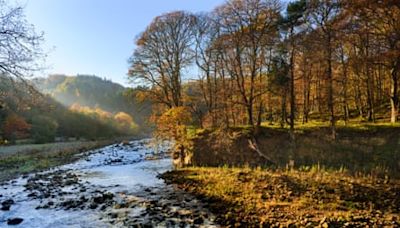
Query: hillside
point(93, 92)
point(28, 115)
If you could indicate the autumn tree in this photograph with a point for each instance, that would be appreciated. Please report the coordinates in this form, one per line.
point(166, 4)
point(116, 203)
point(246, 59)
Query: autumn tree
point(125, 122)
point(15, 127)
point(173, 125)
point(291, 23)
point(327, 60)
point(247, 28)
point(194, 94)
point(207, 56)
point(378, 23)
point(280, 82)
point(322, 17)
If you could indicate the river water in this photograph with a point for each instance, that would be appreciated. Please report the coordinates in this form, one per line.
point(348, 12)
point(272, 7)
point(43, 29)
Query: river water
point(115, 186)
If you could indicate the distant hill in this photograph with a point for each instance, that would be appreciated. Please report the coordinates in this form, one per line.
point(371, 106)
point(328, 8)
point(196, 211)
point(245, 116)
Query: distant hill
point(62, 107)
point(25, 113)
point(93, 92)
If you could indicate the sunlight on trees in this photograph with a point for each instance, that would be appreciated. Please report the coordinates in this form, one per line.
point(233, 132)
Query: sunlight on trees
point(125, 122)
point(172, 123)
point(121, 120)
point(317, 60)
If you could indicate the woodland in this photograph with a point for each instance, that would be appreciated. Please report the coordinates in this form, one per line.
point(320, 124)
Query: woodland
point(260, 63)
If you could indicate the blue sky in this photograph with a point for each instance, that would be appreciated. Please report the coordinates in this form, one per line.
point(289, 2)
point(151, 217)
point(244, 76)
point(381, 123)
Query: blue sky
point(97, 36)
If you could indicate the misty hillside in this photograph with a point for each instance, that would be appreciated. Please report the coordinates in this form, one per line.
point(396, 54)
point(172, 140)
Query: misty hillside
point(27, 114)
point(93, 92)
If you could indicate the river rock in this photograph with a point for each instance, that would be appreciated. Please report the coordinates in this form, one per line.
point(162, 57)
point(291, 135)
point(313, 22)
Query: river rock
point(14, 221)
point(5, 205)
point(93, 206)
point(198, 220)
point(105, 197)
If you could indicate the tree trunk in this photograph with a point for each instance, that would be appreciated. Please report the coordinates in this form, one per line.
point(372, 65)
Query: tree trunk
point(370, 84)
point(283, 109)
point(260, 112)
point(292, 92)
point(394, 97)
point(250, 115)
point(344, 86)
point(306, 96)
point(329, 75)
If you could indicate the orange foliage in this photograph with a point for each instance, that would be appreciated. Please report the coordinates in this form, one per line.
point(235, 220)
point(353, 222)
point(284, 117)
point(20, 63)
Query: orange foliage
point(15, 127)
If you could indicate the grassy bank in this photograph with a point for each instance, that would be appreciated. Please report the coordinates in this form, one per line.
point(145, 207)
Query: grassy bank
point(254, 197)
point(23, 159)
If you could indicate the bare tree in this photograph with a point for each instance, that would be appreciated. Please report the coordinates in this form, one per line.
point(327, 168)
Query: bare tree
point(20, 50)
point(19, 43)
point(163, 50)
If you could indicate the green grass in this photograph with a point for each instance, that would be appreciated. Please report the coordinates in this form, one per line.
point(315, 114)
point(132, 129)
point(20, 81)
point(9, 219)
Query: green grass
point(27, 160)
point(352, 124)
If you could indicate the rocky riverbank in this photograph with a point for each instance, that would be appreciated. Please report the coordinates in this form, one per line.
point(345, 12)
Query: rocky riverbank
point(116, 186)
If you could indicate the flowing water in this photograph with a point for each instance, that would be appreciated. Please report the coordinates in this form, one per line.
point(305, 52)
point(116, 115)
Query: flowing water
point(115, 186)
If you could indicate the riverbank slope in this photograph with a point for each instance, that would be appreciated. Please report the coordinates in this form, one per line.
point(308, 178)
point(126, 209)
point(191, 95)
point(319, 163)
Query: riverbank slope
point(272, 178)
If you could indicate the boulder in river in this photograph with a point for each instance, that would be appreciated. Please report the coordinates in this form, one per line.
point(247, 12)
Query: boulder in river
point(103, 198)
point(14, 221)
point(5, 205)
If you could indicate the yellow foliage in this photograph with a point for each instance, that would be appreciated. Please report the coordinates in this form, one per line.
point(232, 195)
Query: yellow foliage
point(97, 112)
point(122, 121)
point(123, 117)
point(141, 96)
point(172, 123)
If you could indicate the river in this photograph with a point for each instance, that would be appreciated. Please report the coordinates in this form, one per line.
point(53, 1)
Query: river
point(115, 186)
